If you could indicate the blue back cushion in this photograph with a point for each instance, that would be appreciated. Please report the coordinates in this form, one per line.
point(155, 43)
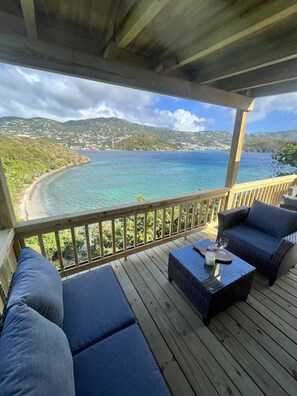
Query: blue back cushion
point(35, 357)
point(272, 219)
point(38, 284)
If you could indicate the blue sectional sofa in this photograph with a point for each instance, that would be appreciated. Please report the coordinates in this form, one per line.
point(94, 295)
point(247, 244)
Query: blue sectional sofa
point(76, 337)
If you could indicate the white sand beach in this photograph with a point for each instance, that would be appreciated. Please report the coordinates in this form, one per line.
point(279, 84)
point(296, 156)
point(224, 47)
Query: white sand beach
point(27, 208)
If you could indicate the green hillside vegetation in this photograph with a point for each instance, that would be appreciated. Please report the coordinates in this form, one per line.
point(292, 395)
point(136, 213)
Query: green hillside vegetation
point(144, 142)
point(105, 133)
point(24, 159)
point(263, 145)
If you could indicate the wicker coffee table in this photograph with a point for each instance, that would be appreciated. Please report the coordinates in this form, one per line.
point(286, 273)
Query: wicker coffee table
point(210, 289)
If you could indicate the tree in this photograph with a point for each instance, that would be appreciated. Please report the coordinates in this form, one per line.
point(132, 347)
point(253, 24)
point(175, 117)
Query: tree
point(285, 156)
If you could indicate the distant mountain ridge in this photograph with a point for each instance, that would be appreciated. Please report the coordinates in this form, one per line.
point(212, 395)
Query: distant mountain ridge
point(144, 142)
point(107, 133)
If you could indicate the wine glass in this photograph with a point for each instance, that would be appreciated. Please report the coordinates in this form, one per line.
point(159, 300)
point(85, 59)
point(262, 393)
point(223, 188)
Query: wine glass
point(223, 242)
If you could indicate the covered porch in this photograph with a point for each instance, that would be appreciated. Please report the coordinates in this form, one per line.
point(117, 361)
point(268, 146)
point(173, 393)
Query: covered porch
point(249, 348)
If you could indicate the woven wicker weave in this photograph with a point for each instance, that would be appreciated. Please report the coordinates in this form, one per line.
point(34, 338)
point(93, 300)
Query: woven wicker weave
point(209, 292)
point(284, 258)
point(288, 207)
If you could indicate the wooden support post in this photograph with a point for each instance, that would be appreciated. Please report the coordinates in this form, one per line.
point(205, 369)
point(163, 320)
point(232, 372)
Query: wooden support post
point(7, 216)
point(235, 153)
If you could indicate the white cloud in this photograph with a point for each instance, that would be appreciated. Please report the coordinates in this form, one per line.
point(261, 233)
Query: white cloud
point(103, 110)
point(32, 93)
point(180, 119)
point(31, 77)
point(286, 103)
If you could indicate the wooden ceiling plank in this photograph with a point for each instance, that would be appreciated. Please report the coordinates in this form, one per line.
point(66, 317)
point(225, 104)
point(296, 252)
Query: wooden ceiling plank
point(14, 24)
point(141, 16)
point(110, 22)
point(29, 17)
point(275, 74)
point(278, 45)
point(275, 89)
point(239, 29)
point(20, 50)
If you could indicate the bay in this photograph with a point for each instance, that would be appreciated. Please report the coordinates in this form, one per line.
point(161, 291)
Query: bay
point(116, 177)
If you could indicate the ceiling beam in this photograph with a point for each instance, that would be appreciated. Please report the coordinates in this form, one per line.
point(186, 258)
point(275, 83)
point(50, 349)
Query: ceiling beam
point(29, 17)
point(240, 28)
point(275, 74)
point(275, 89)
point(273, 46)
point(21, 50)
point(15, 25)
point(137, 20)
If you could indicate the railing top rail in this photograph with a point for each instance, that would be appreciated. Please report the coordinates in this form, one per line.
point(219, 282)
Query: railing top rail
point(265, 182)
point(49, 224)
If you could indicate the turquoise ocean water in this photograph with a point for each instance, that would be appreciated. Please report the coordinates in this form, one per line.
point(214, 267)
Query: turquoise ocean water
point(116, 177)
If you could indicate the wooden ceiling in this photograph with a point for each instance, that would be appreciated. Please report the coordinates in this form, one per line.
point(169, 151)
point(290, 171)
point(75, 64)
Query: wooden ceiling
point(224, 52)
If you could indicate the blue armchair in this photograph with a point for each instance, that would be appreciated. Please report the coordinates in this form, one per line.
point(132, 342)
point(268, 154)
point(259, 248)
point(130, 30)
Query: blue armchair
point(264, 235)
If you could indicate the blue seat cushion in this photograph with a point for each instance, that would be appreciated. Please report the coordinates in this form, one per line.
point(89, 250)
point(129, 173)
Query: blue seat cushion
point(264, 245)
point(35, 357)
point(272, 219)
point(94, 307)
point(121, 364)
point(38, 284)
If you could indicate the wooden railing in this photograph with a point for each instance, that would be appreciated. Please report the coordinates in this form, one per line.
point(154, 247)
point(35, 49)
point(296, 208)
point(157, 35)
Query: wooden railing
point(7, 263)
point(81, 241)
point(88, 239)
point(269, 191)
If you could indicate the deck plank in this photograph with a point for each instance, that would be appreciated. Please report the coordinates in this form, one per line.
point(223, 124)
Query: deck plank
point(242, 381)
point(250, 349)
point(173, 374)
point(198, 380)
point(206, 360)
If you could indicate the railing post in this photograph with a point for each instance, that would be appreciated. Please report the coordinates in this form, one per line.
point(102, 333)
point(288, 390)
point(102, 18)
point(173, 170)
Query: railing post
point(229, 198)
point(235, 153)
point(7, 216)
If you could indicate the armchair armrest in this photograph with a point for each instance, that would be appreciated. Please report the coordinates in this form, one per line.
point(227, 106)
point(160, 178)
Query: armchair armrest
point(231, 217)
point(285, 245)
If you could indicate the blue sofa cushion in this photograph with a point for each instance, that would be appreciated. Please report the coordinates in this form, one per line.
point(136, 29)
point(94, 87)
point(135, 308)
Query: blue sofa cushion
point(264, 245)
point(35, 357)
point(272, 219)
point(94, 307)
point(121, 364)
point(38, 284)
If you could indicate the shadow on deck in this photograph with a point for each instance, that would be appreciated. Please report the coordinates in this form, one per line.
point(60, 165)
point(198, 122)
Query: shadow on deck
point(249, 349)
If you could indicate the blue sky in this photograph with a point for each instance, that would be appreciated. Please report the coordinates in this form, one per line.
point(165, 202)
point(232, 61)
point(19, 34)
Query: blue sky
point(32, 93)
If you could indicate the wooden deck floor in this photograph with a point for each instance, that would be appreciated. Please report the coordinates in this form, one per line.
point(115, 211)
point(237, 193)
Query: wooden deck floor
point(250, 349)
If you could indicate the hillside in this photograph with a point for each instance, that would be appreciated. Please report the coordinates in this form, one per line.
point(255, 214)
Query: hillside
point(144, 142)
point(263, 145)
point(106, 133)
point(287, 135)
point(25, 159)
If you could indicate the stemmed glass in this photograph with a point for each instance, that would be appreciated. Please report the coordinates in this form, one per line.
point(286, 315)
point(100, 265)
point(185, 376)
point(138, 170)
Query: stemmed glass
point(223, 242)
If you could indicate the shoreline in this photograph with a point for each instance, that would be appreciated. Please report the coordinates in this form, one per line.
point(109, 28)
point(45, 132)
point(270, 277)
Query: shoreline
point(25, 208)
